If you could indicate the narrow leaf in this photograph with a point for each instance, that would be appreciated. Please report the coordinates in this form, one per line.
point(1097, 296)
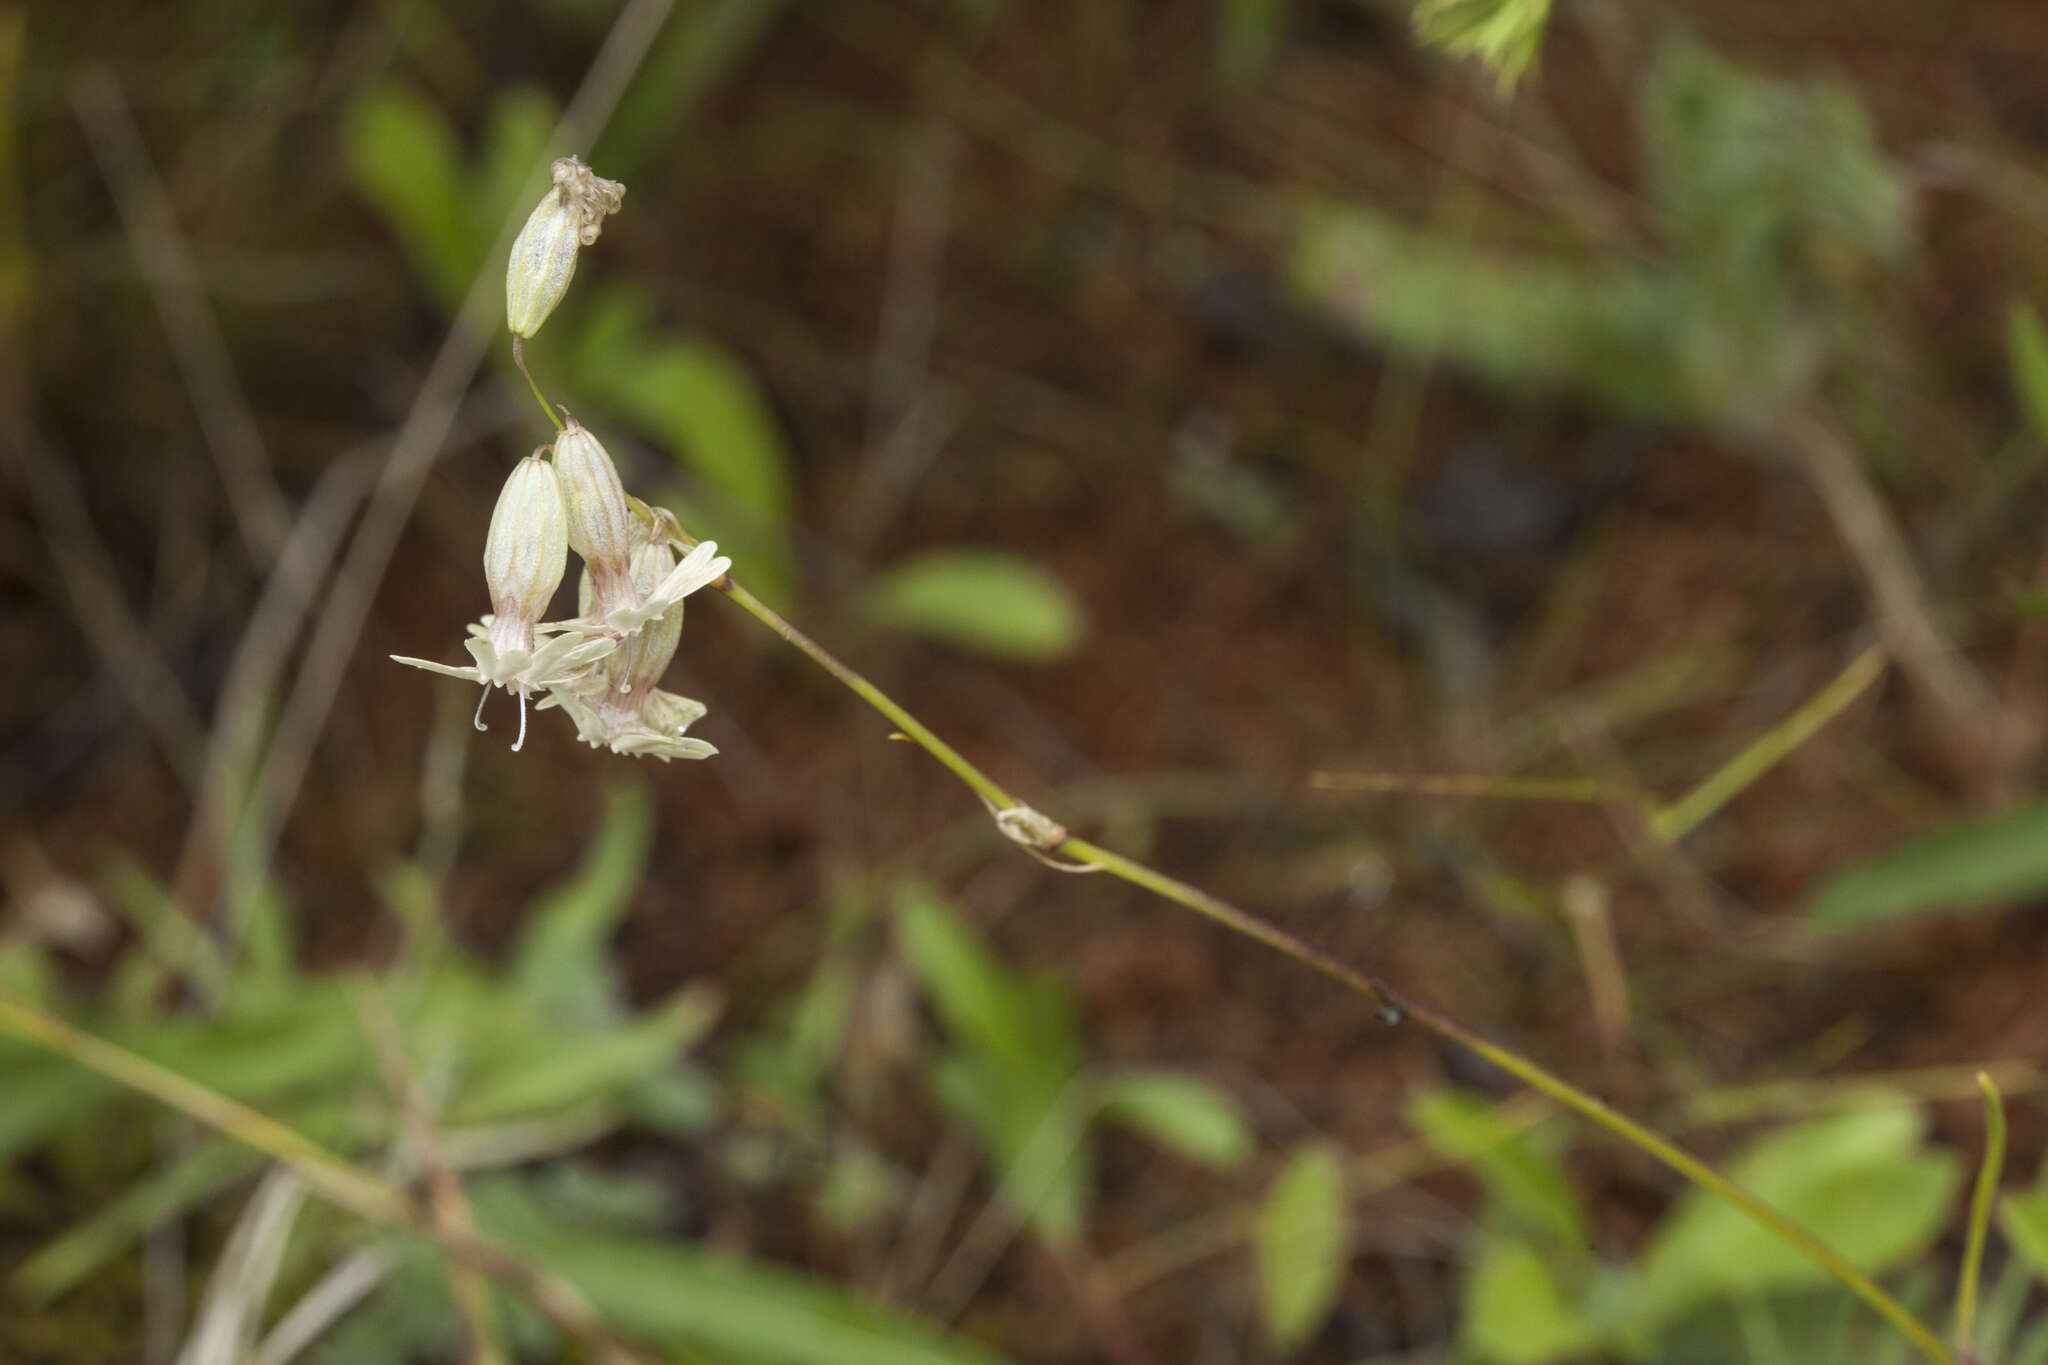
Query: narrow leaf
point(983, 600)
point(1300, 1246)
point(2000, 859)
point(1515, 1313)
point(2026, 343)
point(1186, 1115)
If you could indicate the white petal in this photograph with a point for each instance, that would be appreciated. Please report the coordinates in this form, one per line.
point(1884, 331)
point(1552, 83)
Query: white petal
point(656, 746)
point(466, 674)
point(702, 566)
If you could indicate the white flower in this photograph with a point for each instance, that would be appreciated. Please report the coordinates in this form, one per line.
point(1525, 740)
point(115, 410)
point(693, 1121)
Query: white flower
point(525, 555)
point(648, 723)
point(618, 704)
point(565, 656)
point(700, 568)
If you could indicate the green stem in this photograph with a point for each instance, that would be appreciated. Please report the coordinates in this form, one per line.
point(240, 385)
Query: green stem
point(519, 359)
point(1684, 815)
point(1988, 1172)
point(1394, 1006)
point(913, 729)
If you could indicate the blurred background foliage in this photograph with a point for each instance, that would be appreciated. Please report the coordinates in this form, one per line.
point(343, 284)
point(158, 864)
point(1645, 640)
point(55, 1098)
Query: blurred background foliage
point(1431, 472)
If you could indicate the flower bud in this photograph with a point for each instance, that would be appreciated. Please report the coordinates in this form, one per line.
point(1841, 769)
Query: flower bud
point(525, 553)
point(570, 215)
point(600, 523)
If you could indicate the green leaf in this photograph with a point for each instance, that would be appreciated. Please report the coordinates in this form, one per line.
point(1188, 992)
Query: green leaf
point(1502, 34)
point(970, 990)
point(1181, 1113)
point(44, 1097)
point(984, 600)
point(2024, 1219)
point(405, 158)
point(2026, 348)
point(185, 1181)
point(515, 146)
point(1859, 1181)
point(1247, 36)
point(748, 1310)
point(1013, 1077)
point(560, 962)
point(1300, 1244)
point(539, 1071)
point(2000, 859)
point(1514, 1312)
point(705, 408)
point(1527, 1182)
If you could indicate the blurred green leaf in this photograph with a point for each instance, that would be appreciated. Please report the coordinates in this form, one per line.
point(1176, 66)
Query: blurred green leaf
point(1978, 862)
point(184, 1182)
point(1515, 1313)
point(305, 1042)
point(162, 928)
point(560, 960)
point(541, 1069)
point(790, 1061)
point(965, 983)
point(2024, 1220)
point(747, 1311)
point(1012, 1077)
point(1247, 36)
point(405, 157)
point(1181, 1113)
point(2026, 343)
point(680, 1102)
point(1860, 1181)
point(27, 974)
point(1528, 1183)
point(1300, 1242)
point(705, 409)
point(985, 600)
point(513, 151)
point(1502, 34)
point(1775, 201)
point(44, 1097)
point(1766, 185)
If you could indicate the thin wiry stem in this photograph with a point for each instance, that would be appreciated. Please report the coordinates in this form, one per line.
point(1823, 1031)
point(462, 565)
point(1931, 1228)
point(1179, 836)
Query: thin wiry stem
point(1394, 1006)
point(519, 359)
point(1988, 1172)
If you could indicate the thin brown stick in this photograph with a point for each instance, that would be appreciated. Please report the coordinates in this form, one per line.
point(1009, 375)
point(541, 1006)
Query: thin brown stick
point(1955, 692)
point(125, 647)
point(447, 1205)
point(261, 513)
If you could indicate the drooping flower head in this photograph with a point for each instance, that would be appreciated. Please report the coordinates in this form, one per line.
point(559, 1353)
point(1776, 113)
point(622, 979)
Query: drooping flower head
point(526, 552)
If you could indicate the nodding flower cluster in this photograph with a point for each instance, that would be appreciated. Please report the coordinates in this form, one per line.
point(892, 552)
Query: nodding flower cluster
point(602, 666)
